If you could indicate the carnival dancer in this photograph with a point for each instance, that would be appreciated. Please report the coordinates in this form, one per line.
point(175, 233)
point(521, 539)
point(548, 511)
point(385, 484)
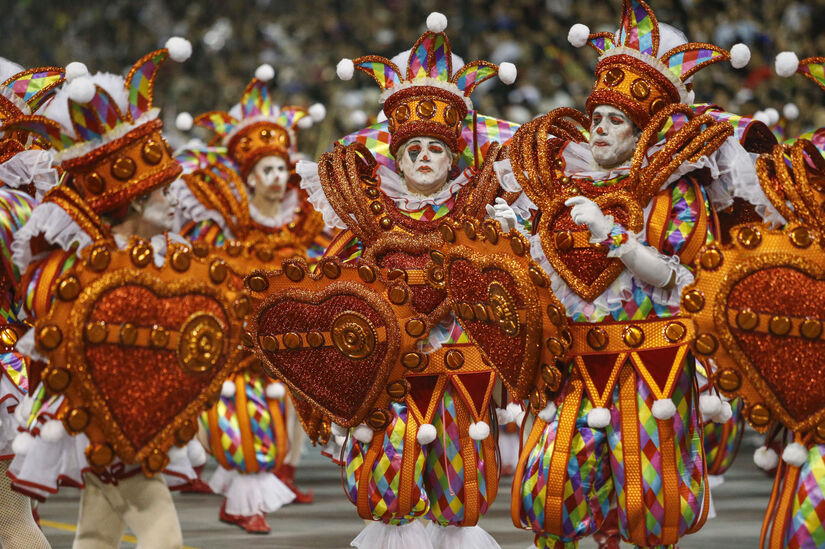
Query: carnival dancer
point(621, 219)
point(433, 458)
point(26, 172)
point(116, 166)
point(789, 410)
point(253, 431)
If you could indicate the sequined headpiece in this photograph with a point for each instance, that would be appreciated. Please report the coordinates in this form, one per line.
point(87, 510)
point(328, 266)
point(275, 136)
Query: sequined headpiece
point(633, 77)
point(261, 128)
point(428, 99)
point(107, 133)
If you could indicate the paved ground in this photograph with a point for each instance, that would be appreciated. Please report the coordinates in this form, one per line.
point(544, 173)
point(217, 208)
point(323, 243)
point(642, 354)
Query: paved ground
point(331, 521)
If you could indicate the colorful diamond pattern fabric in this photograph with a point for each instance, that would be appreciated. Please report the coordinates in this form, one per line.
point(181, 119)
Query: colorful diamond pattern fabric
point(596, 467)
point(472, 75)
point(140, 85)
point(29, 85)
point(813, 70)
point(383, 74)
point(806, 527)
point(637, 30)
point(444, 469)
point(685, 63)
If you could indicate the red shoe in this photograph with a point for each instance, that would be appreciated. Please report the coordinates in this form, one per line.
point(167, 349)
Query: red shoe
point(237, 520)
point(197, 486)
point(287, 475)
point(256, 524)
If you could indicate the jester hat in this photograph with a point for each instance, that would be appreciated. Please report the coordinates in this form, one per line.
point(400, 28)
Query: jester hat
point(632, 76)
point(429, 98)
point(106, 131)
point(257, 127)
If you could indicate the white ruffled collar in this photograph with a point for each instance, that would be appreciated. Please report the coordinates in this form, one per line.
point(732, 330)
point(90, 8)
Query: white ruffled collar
point(579, 163)
point(395, 188)
point(286, 214)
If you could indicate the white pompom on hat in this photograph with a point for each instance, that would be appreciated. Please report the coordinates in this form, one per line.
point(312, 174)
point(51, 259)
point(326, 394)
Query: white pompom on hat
point(790, 111)
point(76, 69)
point(265, 72)
point(507, 73)
point(345, 69)
point(81, 89)
point(436, 22)
point(184, 121)
point(317, 112)
point(578, 35)
point(740, 56)
point(786, 64)
point(180, 49)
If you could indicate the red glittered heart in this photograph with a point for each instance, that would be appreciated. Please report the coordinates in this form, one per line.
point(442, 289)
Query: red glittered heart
point(310, 369)
point(791, 366)
point(143, 387)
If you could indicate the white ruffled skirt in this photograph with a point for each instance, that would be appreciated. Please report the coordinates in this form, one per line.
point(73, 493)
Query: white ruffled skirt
point(251, 494)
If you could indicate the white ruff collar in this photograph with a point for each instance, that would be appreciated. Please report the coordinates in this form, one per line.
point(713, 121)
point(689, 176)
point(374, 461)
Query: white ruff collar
point(285, 215)
point(394, 186)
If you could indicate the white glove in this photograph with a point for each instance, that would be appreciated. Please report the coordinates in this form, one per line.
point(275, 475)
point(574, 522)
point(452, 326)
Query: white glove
point(646, 264)
point(586, 212)
point(503, 213)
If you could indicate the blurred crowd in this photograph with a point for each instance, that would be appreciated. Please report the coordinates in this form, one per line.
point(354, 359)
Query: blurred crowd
point(304, 40)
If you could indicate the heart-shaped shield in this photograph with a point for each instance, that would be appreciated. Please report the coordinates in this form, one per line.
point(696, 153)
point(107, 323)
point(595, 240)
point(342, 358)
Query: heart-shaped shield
point(759, 305)
point(504, 302)
point(335, 337)
point(585, 267)
point(137, 350)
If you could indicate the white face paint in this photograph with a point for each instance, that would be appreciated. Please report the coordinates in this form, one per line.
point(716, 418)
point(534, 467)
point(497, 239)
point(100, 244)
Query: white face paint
point(159, 209)
point(268, 178)
point(425, 164)
point(613, 137)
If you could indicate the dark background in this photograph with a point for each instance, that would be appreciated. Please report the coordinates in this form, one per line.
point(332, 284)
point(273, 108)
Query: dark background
point(304, 40)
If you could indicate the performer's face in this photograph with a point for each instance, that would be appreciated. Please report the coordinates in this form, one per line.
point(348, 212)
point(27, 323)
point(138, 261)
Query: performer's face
point(159, 209)
point(613, 137)
point(269, 177)
point(425, 164)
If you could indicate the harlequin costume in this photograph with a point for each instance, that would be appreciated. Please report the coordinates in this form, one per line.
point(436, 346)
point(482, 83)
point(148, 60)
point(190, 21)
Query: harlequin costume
point(253, 430)
point(765, 282)
point(627, 430)
point(107, 137)
point(25, 172)
point(431, 456)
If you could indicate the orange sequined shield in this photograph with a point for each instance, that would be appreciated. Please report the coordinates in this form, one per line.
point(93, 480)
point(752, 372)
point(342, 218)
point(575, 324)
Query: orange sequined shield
point(335, 337)
point(504, 303)
point(138, 351)
point(759, 307)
